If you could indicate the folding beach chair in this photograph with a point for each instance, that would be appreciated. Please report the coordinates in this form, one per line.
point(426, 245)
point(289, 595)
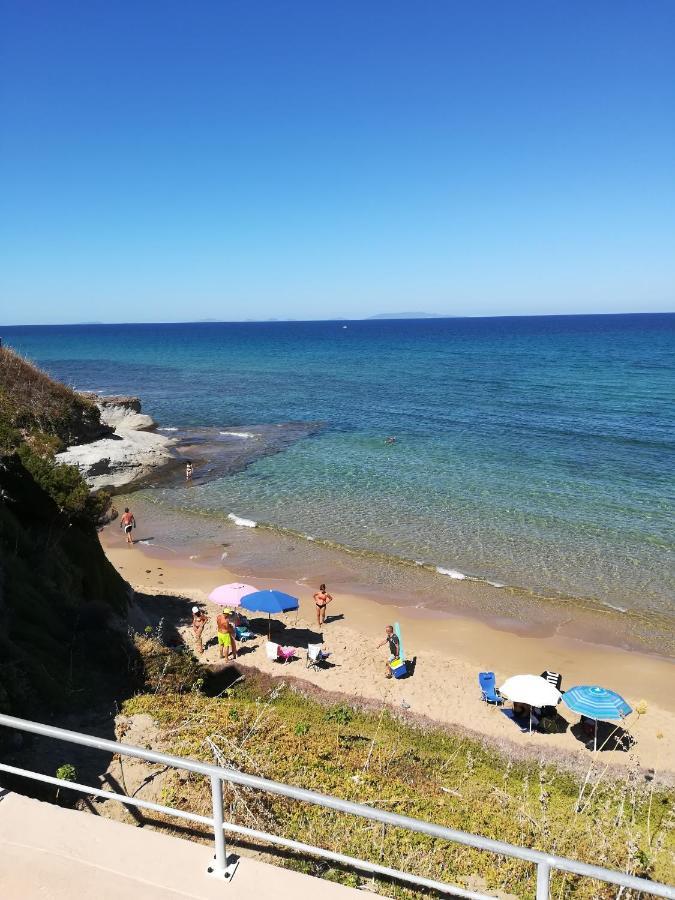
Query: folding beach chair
point(554, 678)
point(278, 653)
point(244, 633)
point(488, 691)
point(315, 656)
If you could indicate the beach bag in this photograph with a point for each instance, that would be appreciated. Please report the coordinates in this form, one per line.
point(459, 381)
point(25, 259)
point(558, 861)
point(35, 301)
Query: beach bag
point(398, 668)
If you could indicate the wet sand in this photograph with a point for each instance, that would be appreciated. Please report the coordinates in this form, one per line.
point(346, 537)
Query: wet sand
point(450, 648)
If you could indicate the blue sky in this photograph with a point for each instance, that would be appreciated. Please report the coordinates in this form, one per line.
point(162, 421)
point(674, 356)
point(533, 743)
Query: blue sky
point(164, 161)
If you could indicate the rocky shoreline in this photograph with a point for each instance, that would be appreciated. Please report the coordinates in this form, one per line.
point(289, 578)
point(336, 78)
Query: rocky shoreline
point(132, 452)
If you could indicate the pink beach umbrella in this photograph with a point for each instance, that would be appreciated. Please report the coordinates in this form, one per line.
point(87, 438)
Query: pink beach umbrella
point(230, 594)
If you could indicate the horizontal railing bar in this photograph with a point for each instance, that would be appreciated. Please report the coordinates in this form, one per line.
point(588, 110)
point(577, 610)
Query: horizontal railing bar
point(346, 806)
point(354, 863)
point(108, 795)
point(265, 836)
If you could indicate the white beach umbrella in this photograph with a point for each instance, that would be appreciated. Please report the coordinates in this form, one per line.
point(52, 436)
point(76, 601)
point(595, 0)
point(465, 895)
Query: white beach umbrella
point(531, 689)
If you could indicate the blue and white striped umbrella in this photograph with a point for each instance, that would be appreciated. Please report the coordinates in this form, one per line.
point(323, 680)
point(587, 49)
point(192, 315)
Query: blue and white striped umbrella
point(596, 702)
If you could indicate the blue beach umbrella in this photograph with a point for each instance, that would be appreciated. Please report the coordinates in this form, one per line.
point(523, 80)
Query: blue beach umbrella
point(270, 602)
point(596, 703)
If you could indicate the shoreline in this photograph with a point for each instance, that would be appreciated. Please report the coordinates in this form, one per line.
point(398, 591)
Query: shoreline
point(450, 648)
point(202, 538)
point(147, 461)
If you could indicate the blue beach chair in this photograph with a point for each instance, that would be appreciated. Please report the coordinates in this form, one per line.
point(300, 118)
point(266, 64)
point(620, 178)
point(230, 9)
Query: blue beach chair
point(488, 691)
point(244, 633)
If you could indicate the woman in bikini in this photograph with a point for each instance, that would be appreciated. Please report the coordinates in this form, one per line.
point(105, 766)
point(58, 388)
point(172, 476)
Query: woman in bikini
point(322, 599)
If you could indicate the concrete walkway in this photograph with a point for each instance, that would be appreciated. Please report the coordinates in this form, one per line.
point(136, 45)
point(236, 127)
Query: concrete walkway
point(55, 853)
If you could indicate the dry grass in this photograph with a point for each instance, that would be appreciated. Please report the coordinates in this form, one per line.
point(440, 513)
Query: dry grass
point(31, 402)
point(454, 781)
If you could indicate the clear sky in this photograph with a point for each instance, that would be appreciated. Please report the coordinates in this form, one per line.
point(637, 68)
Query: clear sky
point(165, 161)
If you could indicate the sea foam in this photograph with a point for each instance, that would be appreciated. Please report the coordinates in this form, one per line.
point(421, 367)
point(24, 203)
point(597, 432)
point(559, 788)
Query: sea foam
point(239, 434)
point(451, 573)
point(244, 523)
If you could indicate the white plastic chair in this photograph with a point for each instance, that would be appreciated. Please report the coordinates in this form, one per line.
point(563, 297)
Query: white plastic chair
point(315, 656)
point(272, 650)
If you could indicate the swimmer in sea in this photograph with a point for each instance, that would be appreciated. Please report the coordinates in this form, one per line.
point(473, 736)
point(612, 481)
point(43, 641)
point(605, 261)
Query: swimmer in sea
point(390, 440)
point(322, 599)
point(188, 471)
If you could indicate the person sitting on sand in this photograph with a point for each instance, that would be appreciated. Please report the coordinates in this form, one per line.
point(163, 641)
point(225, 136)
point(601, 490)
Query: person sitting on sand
point(394, 648)
point(199, 620)
point(322, 599)
point(128, 522)
point(188, 471)
point(238, 620)
point(529, 714)
point(226, 636)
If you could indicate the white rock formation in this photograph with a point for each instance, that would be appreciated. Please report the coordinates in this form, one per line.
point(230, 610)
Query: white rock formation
point(130, 454)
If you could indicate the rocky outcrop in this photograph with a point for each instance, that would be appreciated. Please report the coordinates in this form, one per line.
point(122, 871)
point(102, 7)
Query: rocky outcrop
point(132, 453)
point(122, 412)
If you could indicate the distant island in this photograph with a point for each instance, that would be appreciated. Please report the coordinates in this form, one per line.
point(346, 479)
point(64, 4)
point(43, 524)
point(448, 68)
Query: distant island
point(411, 315)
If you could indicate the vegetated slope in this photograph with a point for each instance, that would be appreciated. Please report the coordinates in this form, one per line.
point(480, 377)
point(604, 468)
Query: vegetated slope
point(265, 728)
point(32, 402)
point(58, 592)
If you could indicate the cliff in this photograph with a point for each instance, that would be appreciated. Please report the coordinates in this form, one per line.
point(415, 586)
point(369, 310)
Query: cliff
point(60, 599)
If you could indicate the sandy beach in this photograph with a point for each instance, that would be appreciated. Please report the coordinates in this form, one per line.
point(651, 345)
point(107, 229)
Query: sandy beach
point(449, 650)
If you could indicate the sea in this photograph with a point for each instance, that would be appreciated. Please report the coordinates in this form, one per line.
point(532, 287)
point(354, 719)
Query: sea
point(533, 453)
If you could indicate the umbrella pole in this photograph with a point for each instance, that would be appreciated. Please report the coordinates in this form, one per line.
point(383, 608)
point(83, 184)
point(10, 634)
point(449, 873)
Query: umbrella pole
point(269, 626)
point(595, 737)
point(530, 720)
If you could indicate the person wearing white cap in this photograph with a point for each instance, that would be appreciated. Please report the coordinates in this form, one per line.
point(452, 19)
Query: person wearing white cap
point(199, 619)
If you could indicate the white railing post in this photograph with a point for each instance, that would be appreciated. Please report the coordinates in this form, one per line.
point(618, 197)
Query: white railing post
point(220, 869)
point(224, 868)
point(543, 880)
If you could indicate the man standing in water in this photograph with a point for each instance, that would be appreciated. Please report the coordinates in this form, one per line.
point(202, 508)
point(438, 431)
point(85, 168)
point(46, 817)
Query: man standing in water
point(226, 636)
point(128, 522)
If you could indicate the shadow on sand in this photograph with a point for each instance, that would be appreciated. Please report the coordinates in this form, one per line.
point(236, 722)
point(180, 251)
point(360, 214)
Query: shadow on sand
point(610, 737)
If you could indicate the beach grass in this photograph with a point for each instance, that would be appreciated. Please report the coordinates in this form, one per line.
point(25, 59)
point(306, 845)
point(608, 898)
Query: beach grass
point(267, 728)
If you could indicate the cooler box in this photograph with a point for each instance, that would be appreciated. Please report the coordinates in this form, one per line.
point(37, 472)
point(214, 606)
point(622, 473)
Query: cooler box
point(398, 668)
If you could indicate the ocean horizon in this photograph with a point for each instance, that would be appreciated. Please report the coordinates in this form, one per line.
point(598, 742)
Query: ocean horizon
point(530, 451)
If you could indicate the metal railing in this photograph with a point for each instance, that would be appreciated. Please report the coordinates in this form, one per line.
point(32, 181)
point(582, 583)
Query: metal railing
point(224, 869)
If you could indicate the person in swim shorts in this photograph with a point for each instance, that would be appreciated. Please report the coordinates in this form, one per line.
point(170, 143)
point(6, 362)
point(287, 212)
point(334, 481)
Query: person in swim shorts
point(226, 637)
point(128, 523)
point(322, 599)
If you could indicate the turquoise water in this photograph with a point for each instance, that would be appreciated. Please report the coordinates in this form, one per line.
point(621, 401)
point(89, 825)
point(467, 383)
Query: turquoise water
point(535, 452)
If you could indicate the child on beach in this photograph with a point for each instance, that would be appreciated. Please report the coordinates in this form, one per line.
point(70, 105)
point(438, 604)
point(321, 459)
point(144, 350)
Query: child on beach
point(322, 599)
point(128, 522)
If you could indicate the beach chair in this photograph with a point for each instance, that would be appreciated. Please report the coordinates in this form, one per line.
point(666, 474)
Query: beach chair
point(277, 653)
point(244, 633)
point(488, 691)
point(286, 654)
point(316, 656)
point(554, 678)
